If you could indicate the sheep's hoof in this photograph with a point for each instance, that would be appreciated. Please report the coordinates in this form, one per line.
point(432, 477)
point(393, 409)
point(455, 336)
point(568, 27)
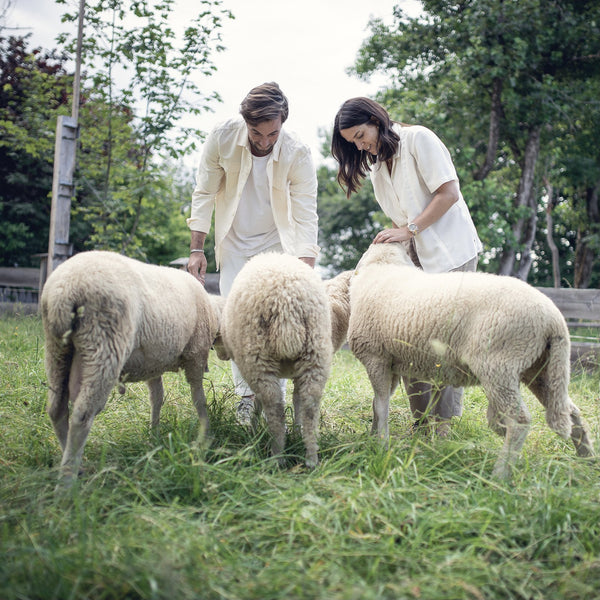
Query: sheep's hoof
point(442, 429)
point(501, 472)
point(311, 463)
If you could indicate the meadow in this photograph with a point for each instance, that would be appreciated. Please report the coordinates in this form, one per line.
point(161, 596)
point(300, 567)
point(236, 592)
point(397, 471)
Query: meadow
point(159, 516)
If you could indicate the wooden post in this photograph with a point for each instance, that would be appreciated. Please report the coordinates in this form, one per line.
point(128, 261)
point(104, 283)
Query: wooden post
point(59, 248)
point(65, 149)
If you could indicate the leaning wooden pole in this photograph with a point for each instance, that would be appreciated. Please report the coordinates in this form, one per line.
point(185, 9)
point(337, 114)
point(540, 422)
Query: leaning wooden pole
point(65, 149)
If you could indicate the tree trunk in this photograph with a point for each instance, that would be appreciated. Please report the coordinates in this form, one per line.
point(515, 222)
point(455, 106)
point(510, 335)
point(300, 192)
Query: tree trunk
point(528, 239)
point(525, 197)
point(584, 255)
point(549, 231)
point(494, 133)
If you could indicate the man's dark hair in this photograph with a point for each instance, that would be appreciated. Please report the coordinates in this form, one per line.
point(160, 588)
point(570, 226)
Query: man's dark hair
point(265, 102)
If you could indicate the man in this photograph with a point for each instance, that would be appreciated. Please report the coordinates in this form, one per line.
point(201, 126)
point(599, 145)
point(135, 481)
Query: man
point(261, 183)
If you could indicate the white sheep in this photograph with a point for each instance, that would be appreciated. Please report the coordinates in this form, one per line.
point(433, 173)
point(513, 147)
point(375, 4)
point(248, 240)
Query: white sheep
point(463, 329)
point(338, 295)
point(276, 323)
point(109, 319)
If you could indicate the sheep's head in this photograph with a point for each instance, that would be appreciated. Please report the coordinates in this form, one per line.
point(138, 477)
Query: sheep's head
point(217, 303)
point(392, 253)
point(338, 293)
point(220, 348)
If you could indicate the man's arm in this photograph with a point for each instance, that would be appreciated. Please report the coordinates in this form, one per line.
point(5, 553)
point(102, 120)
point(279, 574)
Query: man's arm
point(208, 181)
point(303, 194)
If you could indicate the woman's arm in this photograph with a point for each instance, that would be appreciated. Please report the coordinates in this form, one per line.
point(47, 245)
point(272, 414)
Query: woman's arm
point(443, 198)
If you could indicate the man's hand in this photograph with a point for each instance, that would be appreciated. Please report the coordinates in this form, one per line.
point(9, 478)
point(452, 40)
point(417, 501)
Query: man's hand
point(197, 262)
point(197, 266)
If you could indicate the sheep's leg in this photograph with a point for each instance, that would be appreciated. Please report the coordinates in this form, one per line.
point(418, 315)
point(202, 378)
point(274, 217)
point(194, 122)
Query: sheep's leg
point(382, 379)
point(58, 364)
point(395, 382)
point(579, 434)
point(556, 395)
point(88, 403)
point(270, 398)
point(194, 375)
point(507, 415)
point(199, 400)
point(516, 432)
point(157, 397)
point(308, 390)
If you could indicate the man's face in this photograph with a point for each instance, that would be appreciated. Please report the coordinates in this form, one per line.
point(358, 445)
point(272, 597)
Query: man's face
point(262, 137)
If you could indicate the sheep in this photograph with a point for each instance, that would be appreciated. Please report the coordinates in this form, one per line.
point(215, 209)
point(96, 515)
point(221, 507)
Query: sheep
point(109, 319)
point(276, 323)
point(463, 329)
point(337, 290)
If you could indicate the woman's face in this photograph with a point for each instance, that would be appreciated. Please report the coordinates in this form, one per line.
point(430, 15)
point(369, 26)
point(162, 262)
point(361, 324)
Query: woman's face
point(364, 137)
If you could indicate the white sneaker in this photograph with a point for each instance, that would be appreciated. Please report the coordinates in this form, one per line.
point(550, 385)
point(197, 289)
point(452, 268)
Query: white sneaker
point(245, 410)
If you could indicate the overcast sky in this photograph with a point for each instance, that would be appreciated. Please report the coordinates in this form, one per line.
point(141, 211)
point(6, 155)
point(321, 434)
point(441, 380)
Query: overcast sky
point(304, 45)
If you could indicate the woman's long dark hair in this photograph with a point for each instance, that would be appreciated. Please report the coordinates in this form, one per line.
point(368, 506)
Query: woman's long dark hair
point(354, 163)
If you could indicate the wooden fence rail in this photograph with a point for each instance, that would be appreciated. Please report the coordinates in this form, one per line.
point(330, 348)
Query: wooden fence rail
point(581, 308)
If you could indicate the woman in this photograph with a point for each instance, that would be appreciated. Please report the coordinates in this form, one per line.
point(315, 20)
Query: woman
point(416, 185)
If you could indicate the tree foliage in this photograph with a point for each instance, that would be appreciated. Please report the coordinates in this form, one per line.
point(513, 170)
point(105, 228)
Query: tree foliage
point(34, 89)
point(346, 226)
point(503, 83)
point(142, 79)
point(141, 73)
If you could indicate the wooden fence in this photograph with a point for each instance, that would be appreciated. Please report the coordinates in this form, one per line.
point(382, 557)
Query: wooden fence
point(581, 308)
point(19, 285)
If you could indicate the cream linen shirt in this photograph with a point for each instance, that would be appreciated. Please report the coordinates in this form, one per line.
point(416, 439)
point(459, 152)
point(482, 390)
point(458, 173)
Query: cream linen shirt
point(223, 170)
point(421, 165)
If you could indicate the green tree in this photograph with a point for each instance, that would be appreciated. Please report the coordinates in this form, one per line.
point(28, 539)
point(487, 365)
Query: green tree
point(139, 72)
point(346, 226)
point(33, 91)
point(500, 76)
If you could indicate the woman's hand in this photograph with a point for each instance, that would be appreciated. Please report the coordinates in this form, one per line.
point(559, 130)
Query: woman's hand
point(443, 198)
point(397, 234)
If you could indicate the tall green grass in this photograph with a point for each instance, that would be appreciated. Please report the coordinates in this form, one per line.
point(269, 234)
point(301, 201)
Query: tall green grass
point(163, 517)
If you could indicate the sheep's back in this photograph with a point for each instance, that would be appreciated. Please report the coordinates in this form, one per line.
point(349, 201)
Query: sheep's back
point(444, 320)
point(277, 308)
point(148, 314)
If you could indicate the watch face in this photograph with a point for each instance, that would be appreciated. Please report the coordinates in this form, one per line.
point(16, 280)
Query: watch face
point(412, 228)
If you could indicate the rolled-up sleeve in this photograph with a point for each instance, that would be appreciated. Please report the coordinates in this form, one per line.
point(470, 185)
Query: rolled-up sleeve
point(209, 179)
point(303, 197)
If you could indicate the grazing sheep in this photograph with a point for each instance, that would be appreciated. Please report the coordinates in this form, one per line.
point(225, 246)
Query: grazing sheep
point(463, 329)
point(108, 319)
point(277, 324)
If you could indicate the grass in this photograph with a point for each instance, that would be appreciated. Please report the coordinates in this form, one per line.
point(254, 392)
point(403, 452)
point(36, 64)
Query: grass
point(162, 517)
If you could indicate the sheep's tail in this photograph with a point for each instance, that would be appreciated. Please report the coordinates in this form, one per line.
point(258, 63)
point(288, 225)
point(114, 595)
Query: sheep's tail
point(61, 316)
point(289, 322)
point(556, 385)
point(288, 333)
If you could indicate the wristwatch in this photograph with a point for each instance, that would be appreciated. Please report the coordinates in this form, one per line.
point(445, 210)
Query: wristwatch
point(413, 228)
